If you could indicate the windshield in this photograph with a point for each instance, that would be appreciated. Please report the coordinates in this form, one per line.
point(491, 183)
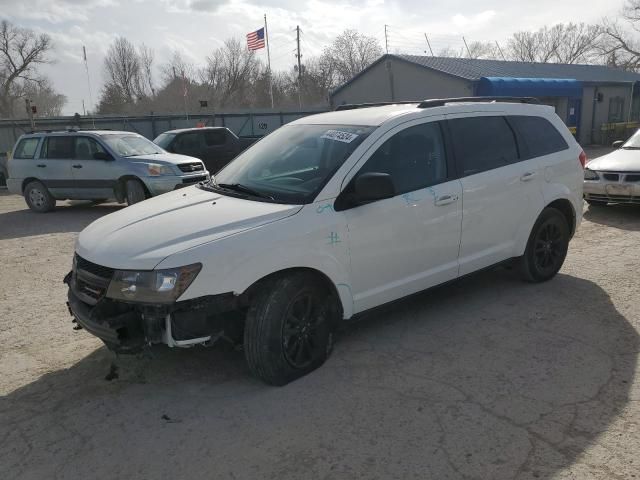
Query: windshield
point(131, 145)
point(164, 139)
point(293, 163)
point(633, 142)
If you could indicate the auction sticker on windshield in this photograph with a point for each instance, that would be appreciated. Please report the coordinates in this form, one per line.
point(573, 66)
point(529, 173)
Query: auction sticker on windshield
point(340, 136)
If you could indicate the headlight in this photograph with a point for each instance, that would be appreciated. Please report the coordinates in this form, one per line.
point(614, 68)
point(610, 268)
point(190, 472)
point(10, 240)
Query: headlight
point(156, 170)
point(155, 286)
point(590, 174)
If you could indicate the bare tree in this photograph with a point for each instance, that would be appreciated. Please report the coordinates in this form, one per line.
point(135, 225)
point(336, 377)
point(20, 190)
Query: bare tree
point(351, 52)
point(561, 43)
point(146, 70)
point(21, 51)
point(229, 73)
point(123, 69)
point(42, 94)
point(621, 45)
point(177, 67)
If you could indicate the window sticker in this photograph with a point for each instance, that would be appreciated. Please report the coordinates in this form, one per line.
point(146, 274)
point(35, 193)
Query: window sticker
point(339, 136)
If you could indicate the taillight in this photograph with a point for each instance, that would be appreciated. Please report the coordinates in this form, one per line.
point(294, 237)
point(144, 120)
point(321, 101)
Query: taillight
point(583, 158)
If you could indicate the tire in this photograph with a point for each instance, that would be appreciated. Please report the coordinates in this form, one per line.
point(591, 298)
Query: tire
point(289, 327)
point(38, 197)
point(135, 191)
point(546, 248)
point(597, 203)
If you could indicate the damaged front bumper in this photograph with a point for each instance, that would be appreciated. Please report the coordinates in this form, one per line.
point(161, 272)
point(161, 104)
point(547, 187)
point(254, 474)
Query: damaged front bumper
point(129, 328)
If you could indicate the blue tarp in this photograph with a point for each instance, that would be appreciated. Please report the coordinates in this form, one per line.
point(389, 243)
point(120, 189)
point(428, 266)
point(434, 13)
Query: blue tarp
point(528, 87)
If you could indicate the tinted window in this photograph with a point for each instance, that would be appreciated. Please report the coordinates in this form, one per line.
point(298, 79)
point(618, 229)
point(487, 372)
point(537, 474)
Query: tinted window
point(26, 148)
point(214, 137)
point(58, 147)
point(538, 136)
point(483, 143)
point(189, 141)
point(86, 147)
point(413, 157)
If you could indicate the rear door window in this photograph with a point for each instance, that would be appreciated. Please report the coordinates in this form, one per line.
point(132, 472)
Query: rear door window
point(214, 138)
point(26, 148)
point(59, 147)
point(482, 143)
point(189, 141)
point(537, 136)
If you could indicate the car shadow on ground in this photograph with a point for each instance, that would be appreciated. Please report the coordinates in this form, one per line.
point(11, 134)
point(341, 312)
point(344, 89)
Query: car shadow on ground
point(624, 217)
point(484, 378)
point(69, 216)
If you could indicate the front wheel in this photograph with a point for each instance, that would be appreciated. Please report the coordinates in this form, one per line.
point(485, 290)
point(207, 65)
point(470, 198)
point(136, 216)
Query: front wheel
point(135, 191)
point(547, 247)
point(289, 327)
point(38, 197)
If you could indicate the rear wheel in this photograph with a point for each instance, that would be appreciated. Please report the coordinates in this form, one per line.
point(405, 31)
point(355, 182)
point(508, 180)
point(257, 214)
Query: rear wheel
point(38, 197)
point(135, 191)
point(289, 327)
point(547, 247)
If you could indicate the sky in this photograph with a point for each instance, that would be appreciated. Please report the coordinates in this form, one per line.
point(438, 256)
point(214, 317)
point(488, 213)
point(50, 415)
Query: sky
point(197, 27)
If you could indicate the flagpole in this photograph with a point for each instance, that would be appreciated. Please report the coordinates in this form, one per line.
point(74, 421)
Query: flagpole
point(266, 35)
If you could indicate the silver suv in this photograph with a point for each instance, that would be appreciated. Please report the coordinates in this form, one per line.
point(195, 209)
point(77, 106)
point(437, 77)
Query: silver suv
point(95, 165)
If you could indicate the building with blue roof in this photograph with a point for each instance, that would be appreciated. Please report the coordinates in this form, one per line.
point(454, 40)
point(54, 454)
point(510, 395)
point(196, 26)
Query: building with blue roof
point(589, 98)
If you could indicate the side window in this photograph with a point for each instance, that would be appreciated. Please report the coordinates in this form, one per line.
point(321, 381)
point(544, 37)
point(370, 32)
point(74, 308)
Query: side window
point(189, 141)
point(537, 136)
point(483, 143)
point(26, 148)
point(414, 158)
point(58, 147)
point(214, 138)
point(616, 110)
point(86, 147)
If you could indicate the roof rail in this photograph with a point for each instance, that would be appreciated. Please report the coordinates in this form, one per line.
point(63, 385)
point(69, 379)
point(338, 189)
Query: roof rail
point(354, 106)
point(439, 102)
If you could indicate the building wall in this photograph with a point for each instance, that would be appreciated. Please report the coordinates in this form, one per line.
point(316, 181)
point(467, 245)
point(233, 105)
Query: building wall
point(591, 132)
point(395, 80)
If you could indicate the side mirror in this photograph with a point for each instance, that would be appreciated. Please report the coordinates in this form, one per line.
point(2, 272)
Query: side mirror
point(617, 143)
point(373, 186)
point(102, 156)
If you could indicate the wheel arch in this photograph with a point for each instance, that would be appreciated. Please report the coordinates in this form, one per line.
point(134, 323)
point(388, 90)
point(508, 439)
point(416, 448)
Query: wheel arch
point(341, 294)
point(121, 187)
point(565, 207)
point(27, 181)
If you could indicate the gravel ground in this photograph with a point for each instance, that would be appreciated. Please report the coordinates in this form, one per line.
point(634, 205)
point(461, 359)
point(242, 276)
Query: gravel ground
point(487, 378)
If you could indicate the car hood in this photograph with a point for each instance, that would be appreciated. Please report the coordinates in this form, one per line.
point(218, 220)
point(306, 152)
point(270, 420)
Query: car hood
point(144, 234)
point(620, 160)
point(173, 158)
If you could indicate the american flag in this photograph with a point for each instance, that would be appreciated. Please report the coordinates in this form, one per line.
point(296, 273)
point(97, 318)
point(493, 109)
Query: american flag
point(255, 40)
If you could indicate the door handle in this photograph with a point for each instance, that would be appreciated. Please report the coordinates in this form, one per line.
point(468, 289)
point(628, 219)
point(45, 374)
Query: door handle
point(445, 199)
point(41, 165)
point(527, 176)
point(77, 166)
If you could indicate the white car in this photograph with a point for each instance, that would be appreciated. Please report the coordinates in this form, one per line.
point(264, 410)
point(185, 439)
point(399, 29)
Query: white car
point(327, 217)
point(615, 177)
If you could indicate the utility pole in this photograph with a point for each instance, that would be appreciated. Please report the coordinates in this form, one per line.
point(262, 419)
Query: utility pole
point(428, 44)
point(500, 50)
point(386, 39)
point(86, 67)
point(27, 104)
point(467, 47)
point(299, 56)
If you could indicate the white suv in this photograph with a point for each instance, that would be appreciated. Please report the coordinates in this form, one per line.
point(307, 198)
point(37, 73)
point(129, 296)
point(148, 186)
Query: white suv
point(327, 217)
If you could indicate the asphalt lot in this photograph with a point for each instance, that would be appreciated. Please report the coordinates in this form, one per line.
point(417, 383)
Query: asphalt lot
point(487, 378)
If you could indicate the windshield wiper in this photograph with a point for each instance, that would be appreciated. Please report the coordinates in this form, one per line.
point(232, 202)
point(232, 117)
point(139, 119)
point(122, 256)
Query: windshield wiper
point(238, 187)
